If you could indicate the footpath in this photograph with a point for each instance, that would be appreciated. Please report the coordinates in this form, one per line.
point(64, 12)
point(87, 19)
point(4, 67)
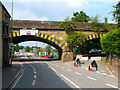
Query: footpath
point(113, 69)
point(10, 74)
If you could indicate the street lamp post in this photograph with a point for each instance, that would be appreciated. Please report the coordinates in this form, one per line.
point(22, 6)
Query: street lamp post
point(11, 28)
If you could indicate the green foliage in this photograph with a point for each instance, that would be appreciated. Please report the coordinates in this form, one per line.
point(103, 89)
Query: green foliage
point(110, 42)
point(31, 51)
point(48, 49)
point(87, 46)
point(75, 39)
point(105, 25)
point(68, 26)
point(16, 48)
point(56, 50)
point(27, 48)
point(106, 19)
point(116, 13)
point(21, 47)
point(105, 59)
point(95, 23)
point(80, 17)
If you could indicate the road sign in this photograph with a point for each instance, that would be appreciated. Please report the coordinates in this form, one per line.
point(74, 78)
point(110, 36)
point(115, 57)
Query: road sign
point(11, 44)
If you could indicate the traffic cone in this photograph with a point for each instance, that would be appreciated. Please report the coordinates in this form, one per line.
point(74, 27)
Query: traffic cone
point(90, 68)
point(76, 64)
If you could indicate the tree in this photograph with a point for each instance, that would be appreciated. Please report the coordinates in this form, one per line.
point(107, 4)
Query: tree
point(106, 19)
point(68, 26)
point(31, 51)
point(48, 49)
point(16, 48)
point(87, 46)
point(74, 40)
point(27, 48)
point(56, 50)
point(110, 42)
point(116, 13)
point(21, 47)
point(80, 17)
point(95, 23)
point(105, 25)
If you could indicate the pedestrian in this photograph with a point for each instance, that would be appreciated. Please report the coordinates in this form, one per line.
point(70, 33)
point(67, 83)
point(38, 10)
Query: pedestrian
point(78, 62)
point(94, 64)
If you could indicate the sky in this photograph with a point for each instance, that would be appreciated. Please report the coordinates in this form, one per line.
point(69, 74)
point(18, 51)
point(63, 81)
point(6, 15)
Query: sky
point(57, 10)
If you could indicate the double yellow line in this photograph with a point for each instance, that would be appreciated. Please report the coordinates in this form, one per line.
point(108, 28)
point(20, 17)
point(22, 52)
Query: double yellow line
point(16, 81)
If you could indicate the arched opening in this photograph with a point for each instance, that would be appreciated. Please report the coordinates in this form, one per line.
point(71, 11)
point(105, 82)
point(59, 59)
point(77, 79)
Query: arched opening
point(23, 38)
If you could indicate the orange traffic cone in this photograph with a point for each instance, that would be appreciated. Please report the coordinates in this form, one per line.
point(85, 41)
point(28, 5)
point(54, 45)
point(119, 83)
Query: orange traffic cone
point(90, 68)
point(76, 64)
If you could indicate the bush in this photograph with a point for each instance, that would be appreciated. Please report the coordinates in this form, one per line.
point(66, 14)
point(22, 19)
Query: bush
point(105, 59)
point(110, 42)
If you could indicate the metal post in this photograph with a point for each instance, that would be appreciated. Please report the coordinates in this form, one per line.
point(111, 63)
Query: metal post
point(11, 28)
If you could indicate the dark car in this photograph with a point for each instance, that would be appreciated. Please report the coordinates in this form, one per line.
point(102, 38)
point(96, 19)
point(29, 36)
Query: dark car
point(94, 51)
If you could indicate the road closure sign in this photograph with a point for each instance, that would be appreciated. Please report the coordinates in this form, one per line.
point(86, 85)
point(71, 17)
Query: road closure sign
point(28, 32)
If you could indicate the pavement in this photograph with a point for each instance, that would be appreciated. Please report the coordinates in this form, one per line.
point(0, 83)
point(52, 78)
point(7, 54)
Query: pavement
point(11, 73)
point(113, 69)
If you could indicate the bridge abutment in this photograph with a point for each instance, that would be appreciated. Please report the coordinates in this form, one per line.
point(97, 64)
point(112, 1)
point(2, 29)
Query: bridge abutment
point(67, 55)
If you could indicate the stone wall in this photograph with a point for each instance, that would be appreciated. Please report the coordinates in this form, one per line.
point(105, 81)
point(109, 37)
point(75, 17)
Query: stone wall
point(53, 25)
point(4, 42)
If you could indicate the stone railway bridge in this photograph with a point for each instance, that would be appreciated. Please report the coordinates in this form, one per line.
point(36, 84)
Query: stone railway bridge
point(49, 32)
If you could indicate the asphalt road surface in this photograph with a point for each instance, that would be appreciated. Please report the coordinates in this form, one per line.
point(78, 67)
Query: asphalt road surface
point(49, 74)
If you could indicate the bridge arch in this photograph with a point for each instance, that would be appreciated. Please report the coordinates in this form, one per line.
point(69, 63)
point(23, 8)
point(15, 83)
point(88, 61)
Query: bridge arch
point(42, 38)
point(93, 36)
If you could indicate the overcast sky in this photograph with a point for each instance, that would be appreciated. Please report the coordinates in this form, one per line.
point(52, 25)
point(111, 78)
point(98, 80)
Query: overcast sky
point(57, 10)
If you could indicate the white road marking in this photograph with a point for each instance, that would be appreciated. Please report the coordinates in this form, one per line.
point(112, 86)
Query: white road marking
point(111, 76)
point(70, 81)
point(86, 68)
point(53, 69)
point(91, 78)
point(62, 67)
point(34, 69)
point(35, 72)
point(104, 73)
point(68, 69)
point(78, 73)
point(98, 72)
point(35, 76)
point(111, 85)
point(33, 82)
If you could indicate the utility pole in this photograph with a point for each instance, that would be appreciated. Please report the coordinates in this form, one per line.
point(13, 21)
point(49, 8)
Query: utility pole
point(11, 28)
